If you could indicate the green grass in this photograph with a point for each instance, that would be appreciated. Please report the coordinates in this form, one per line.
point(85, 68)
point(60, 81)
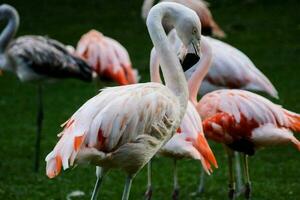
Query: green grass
point(268, 31)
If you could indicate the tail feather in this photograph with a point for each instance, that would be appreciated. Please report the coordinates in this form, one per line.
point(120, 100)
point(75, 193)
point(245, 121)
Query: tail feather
point(84, 70)
point(202, 146)
point(296, 143)
point(294, 119)
point(64, 153)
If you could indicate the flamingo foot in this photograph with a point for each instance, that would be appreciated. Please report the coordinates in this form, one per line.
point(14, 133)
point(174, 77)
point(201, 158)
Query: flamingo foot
point(175, 195)
point(248, 190)
point(198, 193)
point(148, 193)
point(231, 191)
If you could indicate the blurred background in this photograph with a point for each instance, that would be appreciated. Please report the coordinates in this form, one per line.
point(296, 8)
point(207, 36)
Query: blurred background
point(265, 30)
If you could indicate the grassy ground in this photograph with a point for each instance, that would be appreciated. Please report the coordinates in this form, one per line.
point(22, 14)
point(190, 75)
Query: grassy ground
point(268, 31)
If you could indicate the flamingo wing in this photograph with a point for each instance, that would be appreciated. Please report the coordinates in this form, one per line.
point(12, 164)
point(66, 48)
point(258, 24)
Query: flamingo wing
point(49, 58)
point(115, 117)
point(234, 115)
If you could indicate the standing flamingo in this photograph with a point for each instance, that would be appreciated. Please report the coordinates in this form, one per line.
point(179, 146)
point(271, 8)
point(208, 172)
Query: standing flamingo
point(123, 127)
point(244, 122)
point(189, 141)
point(209, 26)
point(107, 56)
point(37, 59)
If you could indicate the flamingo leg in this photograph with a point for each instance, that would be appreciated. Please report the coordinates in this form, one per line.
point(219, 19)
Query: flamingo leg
point(127, 187)
point(39, 121)
point(231, 185)
point(247, 177)
point(176, 184)
point(100, 173)
point(200, 189)
point(238, 170)
point(148, 193)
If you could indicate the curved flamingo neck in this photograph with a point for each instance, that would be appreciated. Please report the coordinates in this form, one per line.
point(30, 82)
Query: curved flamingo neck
point(197, 77)
point(171, 68)
point(154, 67)
point(10, 30)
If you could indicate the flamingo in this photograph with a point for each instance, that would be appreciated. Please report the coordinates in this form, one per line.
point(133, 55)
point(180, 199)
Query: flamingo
point(123, 127)
point(37, 59)
point(107, 56)
point(189, 141)
point(209, 26)
point(245, 122)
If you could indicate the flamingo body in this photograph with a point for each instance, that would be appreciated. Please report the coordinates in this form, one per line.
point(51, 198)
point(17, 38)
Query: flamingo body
point(232, 69)
point(121, 127)
point(245, 121)
point(107, 56)
point(38, 58)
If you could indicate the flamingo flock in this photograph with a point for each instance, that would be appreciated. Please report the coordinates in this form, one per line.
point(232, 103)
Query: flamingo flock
point(207, 93)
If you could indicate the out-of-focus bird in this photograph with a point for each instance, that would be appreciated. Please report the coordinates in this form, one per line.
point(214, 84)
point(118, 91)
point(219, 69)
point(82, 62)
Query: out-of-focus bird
point(244, 122)
point(107, 56)
point(209, 26)
point(124, 127)
point(37, 59)
point(189, 141)
point(230, 68)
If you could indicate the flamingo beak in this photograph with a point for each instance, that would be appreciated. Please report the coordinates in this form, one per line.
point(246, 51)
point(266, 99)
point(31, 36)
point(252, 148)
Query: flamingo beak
point(196, 47)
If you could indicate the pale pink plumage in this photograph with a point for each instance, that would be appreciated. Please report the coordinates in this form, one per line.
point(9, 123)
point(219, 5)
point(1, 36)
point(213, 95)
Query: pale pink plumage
point(115, 125)
point(107, 56)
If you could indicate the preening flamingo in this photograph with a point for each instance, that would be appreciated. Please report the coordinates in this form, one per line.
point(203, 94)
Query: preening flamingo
point(124, 127)
point(244, 122)
point(107, 56)
point(209, 26)
point(230, 68)
point(37, 59)
point(189, 141)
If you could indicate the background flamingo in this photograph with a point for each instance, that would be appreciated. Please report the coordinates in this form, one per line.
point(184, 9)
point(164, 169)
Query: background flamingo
point(37, 59)
point(107, 56)
point(189, 141)
point(105, 131)
point(209, 26)
point(244, 122)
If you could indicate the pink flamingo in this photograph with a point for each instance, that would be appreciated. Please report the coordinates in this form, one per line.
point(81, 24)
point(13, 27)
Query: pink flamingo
point(123, 127)
point(107, 56)
point(189, 141)
point(243, 122)
point(209, 26)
